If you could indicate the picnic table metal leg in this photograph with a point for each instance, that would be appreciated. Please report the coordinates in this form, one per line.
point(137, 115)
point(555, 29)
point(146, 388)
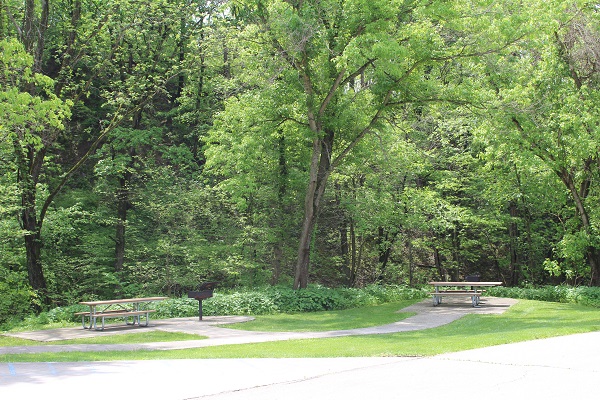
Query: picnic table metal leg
point(436, 298)
point(435, 303)
point(89, 315)
point(147, 319)
point(93, 319)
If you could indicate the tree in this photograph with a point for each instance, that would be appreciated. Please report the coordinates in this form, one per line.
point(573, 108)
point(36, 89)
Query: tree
point(547, 91)
point(74, 43)
point(345, 65)
point(28, 109)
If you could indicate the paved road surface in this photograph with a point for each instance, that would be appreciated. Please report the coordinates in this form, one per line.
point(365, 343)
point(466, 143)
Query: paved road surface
point(558, 368)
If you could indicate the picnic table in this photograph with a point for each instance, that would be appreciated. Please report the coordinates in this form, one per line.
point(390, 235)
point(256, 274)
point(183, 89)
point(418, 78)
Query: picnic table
point(465, 289)
point(134, 308)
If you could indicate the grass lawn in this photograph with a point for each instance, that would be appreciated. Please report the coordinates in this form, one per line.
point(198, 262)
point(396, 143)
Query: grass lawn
point(137, 337)
point(362, 317)
point(526, 320)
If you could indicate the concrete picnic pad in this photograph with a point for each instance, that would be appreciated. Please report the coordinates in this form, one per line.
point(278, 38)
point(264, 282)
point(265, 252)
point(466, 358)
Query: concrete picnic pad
point(556, 368)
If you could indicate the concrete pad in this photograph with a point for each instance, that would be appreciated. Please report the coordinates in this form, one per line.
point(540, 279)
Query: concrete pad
point(186, 325)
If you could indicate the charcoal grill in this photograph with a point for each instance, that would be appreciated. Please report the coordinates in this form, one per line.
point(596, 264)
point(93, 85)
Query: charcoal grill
point(205, 291)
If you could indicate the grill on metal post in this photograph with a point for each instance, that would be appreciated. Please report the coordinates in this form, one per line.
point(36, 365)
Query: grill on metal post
point(204, 291)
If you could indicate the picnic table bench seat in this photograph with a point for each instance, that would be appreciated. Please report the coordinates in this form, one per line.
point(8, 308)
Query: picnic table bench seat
point(114, 314)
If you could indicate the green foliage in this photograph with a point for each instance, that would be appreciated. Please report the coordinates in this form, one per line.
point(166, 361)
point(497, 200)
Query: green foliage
point(241, 303)
point(24, 114)
point(587, 296)
point(77, 250)
point(214, 162)
point(16, 298)
point(278, 299)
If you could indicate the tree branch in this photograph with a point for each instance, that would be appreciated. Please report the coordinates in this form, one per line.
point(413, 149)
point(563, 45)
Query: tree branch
point(340, 157)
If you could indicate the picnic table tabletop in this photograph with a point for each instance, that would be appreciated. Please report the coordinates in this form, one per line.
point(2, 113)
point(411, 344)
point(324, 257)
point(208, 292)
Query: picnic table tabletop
point(122, 301)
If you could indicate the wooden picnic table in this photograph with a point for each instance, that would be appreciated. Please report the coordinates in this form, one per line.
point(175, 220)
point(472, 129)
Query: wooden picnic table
point(465, 288)
point(133, 308)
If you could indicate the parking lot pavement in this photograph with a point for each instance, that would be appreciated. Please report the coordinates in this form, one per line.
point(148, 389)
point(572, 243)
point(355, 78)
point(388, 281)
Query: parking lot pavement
point(555, 368)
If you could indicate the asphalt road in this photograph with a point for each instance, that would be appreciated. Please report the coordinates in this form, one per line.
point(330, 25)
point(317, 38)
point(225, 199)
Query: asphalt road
point(565, 367)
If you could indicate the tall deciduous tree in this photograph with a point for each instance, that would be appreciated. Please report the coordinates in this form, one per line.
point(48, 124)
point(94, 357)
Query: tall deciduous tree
point(28, 108)
point(548, 91)
point(345, 64)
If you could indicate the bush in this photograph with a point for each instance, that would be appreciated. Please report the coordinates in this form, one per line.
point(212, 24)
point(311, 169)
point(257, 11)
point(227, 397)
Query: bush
point(176, 308)
point(587, 296)
point(271, 300)
point(16, 299)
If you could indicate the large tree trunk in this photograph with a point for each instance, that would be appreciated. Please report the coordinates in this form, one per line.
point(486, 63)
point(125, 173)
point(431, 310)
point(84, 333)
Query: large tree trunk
point(122, 206)
point(594, 261)
point(384, 247)
point(33, 249)
point(280, 212)
point(578, 196)
point(320, 169)
point(29, 169)
point(513, 233)
point(32, 35)
point(29, 172)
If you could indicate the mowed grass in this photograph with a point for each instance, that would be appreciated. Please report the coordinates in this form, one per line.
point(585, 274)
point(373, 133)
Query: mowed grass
point(362, 317)
point(526, 320)
point(128, 338)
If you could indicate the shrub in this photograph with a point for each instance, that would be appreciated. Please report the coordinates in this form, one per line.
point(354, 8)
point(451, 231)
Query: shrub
point(16, 298)
point(271, 300)
point(240, 303)
point(176, 308)
point(588, 296)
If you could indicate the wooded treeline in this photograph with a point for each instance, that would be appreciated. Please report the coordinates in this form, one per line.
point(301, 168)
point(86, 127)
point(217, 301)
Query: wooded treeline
point(149, 145)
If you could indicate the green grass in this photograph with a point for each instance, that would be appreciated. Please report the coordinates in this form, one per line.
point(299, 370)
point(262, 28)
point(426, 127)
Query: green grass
point(362, 317)
point(129, 338)
point(526, 320)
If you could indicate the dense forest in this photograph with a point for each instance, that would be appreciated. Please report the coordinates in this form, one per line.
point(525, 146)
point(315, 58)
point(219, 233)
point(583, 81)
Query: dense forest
point(149, 145)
